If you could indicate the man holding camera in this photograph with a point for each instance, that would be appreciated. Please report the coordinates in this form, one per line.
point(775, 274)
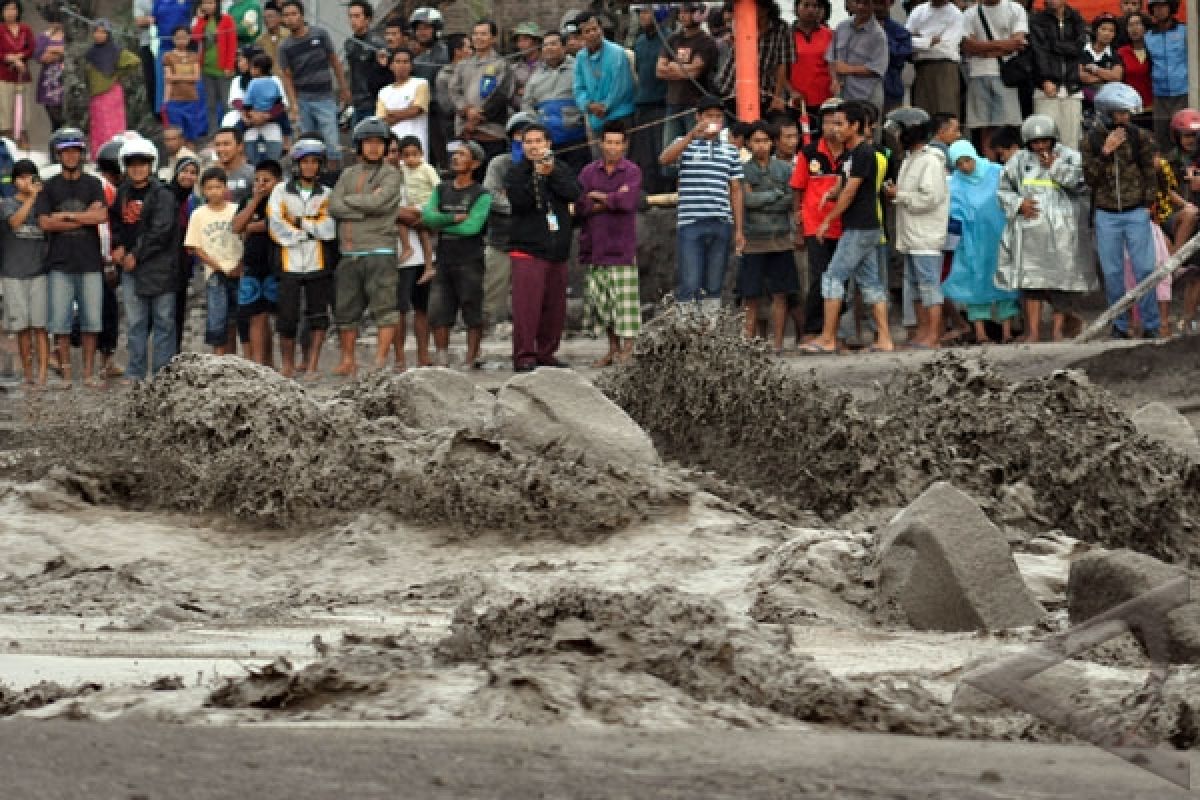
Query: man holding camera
point(540, 191)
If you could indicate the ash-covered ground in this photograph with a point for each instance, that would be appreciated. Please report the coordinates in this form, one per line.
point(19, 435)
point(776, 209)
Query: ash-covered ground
point(701, 541)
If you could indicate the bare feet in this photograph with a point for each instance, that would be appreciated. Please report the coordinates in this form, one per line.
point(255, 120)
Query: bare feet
point(345, 369)
point(287, 372)
point(607, 361)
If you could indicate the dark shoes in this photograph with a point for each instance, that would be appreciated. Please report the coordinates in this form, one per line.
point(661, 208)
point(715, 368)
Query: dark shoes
point(531, 366)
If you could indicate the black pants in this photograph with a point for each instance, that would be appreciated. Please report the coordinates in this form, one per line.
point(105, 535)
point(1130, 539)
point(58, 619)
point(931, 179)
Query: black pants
point(148, 61)
point(312, 292)
point(819, 255)
point(106, 342)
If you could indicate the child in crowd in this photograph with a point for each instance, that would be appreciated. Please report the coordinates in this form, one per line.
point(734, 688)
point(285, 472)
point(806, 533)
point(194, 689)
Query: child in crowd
point(420, 180)
point(23, 250)
point(50, 50)
point(264, 113)
point(211, 240)
point(258, 287)
point(182, 104)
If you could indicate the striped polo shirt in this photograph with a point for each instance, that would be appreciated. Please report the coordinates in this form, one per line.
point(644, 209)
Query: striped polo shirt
point(705, 170)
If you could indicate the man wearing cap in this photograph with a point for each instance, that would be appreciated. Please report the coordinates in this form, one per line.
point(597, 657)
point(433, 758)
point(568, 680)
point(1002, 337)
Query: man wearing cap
point(710, 206)
point(603, 77)
point(1166, 44)
point(458, 210)
point(685, 65)
point(551, 95)
point(528, 38)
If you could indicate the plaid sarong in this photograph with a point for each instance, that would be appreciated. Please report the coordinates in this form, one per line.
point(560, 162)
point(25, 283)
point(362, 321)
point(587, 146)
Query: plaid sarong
point(612, 301)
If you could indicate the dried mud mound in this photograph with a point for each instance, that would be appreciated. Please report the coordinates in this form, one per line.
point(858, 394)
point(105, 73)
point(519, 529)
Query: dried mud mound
point(1146, 362)
point(692, 644)
point(226, 436)
point(713, 401)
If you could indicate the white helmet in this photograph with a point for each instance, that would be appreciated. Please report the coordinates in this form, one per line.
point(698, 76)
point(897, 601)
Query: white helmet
point(1117, 96)
point(139, 147)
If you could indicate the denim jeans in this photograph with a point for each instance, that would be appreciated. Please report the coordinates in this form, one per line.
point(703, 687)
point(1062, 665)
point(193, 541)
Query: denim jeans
point(856, 257)
point(1117, 235)
point(923, 278)
point(703, 255)
point(70, 289)
point(319, 113)
point(222, 294)
point(156, 312)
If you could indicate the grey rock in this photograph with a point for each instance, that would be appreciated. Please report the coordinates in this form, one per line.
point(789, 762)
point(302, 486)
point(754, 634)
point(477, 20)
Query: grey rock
point(436, 397)
point(559, 408)
point(945, 566)
point(1163, 423)
point(1104, 579)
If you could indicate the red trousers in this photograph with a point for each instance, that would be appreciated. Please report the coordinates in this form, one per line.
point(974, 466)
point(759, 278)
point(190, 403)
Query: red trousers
point(539, 308)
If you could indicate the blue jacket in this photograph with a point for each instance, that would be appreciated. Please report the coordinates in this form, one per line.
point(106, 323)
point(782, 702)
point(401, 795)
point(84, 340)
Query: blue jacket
point(900, 50)
point(607, 79)
point(1168, 60)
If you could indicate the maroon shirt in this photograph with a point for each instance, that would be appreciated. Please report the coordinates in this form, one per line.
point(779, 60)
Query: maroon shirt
point(609, 234)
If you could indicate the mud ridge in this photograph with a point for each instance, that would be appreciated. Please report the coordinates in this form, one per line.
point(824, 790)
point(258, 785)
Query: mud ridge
point(713, 401)
point(226, 436)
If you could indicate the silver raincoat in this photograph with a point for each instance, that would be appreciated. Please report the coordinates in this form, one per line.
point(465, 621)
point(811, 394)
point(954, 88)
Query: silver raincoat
point(1043, 252)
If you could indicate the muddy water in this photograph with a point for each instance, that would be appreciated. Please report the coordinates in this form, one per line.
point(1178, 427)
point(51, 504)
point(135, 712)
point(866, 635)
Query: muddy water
point(643, 602)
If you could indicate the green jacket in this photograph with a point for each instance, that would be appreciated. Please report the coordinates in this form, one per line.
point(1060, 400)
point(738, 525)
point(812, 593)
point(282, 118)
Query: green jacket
point(1125, 180)
point(767, 200)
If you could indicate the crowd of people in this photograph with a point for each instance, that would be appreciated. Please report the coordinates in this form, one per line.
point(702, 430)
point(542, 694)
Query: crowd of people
point(472, 175)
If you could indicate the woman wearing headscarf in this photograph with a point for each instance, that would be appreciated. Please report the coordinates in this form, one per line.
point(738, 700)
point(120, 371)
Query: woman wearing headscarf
point(104, 65)
point(183, 184)
point(974, 183)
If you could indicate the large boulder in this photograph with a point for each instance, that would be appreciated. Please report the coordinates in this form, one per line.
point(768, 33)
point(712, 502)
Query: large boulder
point(425, 398)
point(559, 408)
point(943, 565)
point(1162, 423)
point(1104, 579)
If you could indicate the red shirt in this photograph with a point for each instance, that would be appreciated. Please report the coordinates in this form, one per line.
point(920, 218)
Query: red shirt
point(20, 43)
point(1137, 74)
point(809, 76)
point(815, 173)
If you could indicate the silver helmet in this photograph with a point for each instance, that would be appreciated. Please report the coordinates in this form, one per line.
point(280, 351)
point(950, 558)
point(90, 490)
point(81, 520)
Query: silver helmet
point(1038, 126)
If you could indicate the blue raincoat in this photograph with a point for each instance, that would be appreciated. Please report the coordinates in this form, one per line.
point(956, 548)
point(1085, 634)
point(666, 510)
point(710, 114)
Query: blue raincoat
point(973, 202)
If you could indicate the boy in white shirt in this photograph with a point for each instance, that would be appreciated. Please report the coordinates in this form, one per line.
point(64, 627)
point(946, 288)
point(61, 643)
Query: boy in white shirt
point(211, 240)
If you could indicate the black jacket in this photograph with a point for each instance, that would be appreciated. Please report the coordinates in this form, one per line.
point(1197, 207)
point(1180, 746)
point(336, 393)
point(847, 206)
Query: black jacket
point(1057, 49)
point(532, 198)
point(153, 238)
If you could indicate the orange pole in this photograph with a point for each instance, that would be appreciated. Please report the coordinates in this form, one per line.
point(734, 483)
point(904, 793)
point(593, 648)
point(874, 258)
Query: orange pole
point(745, 54)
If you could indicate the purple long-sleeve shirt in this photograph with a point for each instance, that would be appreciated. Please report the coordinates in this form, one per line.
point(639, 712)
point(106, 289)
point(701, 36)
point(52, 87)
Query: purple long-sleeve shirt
point(609, 233)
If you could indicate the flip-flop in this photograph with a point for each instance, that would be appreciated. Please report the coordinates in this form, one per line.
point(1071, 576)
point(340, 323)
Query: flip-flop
point(814, 349)
point(874, 349)
point(917, 346)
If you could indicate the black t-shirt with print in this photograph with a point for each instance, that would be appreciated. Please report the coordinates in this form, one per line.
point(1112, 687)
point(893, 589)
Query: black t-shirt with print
point(76, 251)
point(861, 163)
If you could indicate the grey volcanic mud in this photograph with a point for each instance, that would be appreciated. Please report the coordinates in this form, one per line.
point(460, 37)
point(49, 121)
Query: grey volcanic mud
point(228, 437)
point(483, 582)
point(713, 402)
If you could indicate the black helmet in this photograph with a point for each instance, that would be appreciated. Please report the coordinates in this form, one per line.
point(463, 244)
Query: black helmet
point(65, 138)
point(909, 125)
point(108, 159)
